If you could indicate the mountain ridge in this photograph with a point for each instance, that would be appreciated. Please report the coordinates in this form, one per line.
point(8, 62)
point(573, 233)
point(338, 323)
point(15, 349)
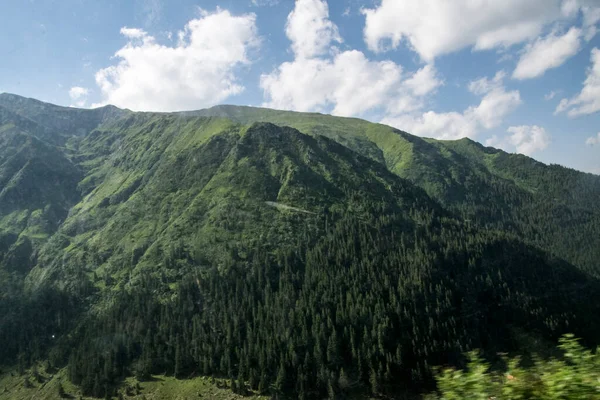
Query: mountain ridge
point(460, 174)
point(239, 113)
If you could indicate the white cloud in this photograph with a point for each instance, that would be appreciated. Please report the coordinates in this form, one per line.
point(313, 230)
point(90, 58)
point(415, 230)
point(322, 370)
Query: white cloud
point(591, 16)
point(78, 95)
point(552, 94)
point(524, 139)
point(547, 53)
point(588, 100)
point(445, 126)
point(347, 83)
point(570, 8)
point(197, 72)
point(436, 27)
point(505, 55)
point(424, 81)
point(484, 85)
point(528, 139)
point(309, 28)
point(590, 10)
point(594, 140)
point(495, 141)
point(263, 3)
point(133, 33)
point(496, 104)
point(322, 78)
point(76, 92)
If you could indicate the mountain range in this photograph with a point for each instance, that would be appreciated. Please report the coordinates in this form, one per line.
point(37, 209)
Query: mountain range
point(290, 252)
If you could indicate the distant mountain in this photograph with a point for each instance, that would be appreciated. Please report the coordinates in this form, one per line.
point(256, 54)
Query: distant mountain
point(63, 122)
point(294, 252)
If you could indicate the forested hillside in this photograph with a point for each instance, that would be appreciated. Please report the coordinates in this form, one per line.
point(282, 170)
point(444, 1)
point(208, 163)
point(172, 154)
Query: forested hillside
point(302, 255)
point(550, 206)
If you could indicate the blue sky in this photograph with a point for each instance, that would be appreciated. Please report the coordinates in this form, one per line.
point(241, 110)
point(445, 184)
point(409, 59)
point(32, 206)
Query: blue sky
point(520, 75)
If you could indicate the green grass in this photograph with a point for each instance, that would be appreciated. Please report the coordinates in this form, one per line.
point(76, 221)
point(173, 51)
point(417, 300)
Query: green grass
point(12, 387)
point(162, 387)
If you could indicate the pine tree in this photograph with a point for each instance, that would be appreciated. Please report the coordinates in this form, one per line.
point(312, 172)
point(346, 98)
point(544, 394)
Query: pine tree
point(343, 381)
point(280, 381)
point(374, 381)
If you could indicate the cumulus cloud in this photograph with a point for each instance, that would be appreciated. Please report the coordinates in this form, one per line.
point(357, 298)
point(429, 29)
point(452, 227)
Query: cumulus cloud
point(309, 28)
point(547, 53)
point(594, 140)
point(528, 139)
point(588, 100)
point(424, 81)
point(524, 139)
point(445, 126)
point(590, 11)
point(495, 104)
point(199, 71)
point(78, 96)
point(485, 85)
point(436, 27)
point(347, 83)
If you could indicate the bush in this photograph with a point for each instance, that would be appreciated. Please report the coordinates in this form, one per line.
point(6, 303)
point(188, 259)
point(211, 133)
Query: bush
point(575, 376)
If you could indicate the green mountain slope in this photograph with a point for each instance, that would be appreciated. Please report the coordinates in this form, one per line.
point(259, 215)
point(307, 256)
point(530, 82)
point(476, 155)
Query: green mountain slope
point(38, 186)
point(553, 207)
point(213, 192)
point(294, 253)
point(63, 122)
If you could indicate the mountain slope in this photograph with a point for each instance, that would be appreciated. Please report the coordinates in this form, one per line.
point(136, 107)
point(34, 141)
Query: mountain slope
point(296, 253)
point(64, 122)
point(220, 189)
point(38, 186)
point(553, 207)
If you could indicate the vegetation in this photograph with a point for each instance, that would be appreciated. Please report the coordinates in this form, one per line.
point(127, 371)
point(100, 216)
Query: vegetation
point(575, 376)
point(284, 253)
point(159, 387)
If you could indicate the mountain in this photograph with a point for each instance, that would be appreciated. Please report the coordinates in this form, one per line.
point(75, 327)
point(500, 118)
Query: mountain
point(292, 252)
point(551, 206)
point(62, 123)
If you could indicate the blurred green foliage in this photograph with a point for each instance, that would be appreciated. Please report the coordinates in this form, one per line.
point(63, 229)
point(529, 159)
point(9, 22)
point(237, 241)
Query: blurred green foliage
point(575, 375)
